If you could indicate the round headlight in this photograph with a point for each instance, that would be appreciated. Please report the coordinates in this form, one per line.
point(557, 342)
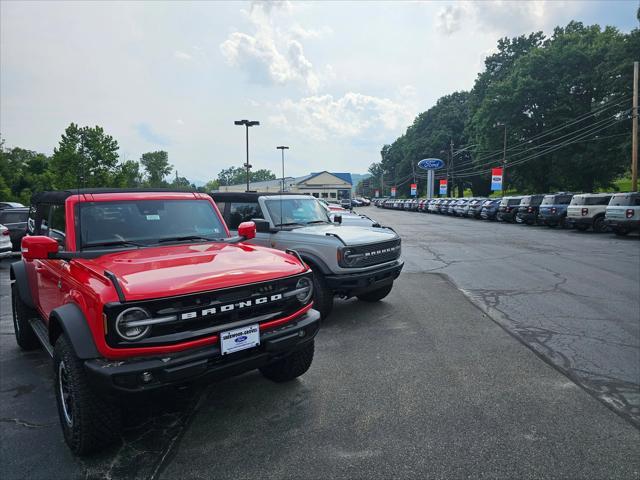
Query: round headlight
point(306, 286)
point(347, 256)
point(125, 323)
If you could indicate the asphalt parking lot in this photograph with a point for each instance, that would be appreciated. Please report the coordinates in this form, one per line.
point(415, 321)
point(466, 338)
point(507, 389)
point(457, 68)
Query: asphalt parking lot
point(439, 380)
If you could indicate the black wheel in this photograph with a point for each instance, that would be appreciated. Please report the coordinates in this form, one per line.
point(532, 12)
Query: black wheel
point(322, 295)
point(376, 295)
point(582, 227)
point(25, 337)
point(290, 367)
point(89, 421)
point(598, 225)
point(621, 232)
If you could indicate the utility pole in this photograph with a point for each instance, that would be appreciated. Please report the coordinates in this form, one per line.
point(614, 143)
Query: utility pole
point(504, 160)
point(453, 171)
point(634, 132)
point(382, 183)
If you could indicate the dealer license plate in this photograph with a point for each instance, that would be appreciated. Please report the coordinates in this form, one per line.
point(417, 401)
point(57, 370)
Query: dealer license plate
point(240, 338)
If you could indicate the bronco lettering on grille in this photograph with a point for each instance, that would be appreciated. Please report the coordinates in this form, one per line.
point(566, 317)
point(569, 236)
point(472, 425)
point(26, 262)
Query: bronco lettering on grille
point(381, 251)
point(231, 306)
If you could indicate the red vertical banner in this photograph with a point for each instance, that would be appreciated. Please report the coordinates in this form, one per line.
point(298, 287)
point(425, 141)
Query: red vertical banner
point(414, 189)
point(393, 191)
point(443, 187)
point(496, 179)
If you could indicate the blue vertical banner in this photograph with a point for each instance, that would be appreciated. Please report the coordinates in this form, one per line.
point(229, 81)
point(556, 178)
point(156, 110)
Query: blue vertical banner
point(496, 179)
point(414, 189)
point(443, 187)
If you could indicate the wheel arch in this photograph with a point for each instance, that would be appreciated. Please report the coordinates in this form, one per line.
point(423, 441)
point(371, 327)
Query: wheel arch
point(18, 275)
point(315, 262)
point(69, 320)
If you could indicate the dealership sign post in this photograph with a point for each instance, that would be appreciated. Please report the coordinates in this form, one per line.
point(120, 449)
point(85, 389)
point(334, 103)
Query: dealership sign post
point(443, 187)
point(430, 164)
point(496, 179)
point(414, 189)
point(393, 191)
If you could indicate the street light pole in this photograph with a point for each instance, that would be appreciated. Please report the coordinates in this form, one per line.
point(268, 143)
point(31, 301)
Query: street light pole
point(282, 148)
point(247, 124)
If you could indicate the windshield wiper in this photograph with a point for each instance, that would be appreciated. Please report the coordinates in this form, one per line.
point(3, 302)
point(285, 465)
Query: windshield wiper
point(114, 243)
point(287, 224)
point(316, 221)
point(185, 238)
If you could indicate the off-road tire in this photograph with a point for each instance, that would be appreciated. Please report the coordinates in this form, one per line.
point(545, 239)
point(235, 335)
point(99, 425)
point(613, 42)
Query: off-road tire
point(322, 295)
point(582, 227)
point(290, 367)
point(25, 336)
point(376, 295)
point(621, 232)
point(95, 420)
point(599, 225)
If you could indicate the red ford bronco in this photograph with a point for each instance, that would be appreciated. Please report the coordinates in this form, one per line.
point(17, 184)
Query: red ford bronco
point(131, 291)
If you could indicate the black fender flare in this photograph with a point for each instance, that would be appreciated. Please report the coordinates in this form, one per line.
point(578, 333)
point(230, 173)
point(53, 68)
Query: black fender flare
point(315, 261)
point(18, 274)
point(70, 321)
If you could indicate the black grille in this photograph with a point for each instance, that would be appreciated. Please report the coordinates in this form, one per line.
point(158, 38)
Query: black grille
point(375, 254)
point(190, 322)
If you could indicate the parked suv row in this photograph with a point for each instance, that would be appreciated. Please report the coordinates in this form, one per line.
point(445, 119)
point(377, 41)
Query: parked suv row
point(131, 291)
point(599, 212)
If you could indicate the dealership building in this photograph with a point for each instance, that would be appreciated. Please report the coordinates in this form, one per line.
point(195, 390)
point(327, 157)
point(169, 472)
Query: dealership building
point(327, 185)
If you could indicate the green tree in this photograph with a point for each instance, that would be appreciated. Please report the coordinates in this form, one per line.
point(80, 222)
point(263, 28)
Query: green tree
point(86, 157)
point(157, 167)
point(238, 175)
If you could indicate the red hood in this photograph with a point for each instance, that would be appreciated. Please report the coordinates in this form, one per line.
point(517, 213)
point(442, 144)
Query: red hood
point(181, 269)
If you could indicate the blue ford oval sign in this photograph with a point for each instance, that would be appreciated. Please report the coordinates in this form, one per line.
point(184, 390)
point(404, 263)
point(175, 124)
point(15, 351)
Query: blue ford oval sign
point(431, 163)
point(240, 339)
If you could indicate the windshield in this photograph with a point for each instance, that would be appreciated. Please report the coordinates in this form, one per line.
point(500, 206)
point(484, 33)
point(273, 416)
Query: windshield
point(296, 211)
point(146, 222)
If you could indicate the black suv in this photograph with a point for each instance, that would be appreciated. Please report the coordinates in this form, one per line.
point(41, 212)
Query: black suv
point(508, 209)
point(15, 219)
point(528, 209)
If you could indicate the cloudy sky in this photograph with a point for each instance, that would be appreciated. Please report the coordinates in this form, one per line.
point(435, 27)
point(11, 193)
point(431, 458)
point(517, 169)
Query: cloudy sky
point(333, 80)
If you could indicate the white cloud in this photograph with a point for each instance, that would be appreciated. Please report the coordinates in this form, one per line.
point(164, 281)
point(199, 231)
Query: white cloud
point(449, 18)
point(503, 17)
point(350, 116)
point(182, 55)
point(272, 55)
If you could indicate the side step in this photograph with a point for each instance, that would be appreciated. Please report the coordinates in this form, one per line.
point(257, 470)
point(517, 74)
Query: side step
point(42, 333)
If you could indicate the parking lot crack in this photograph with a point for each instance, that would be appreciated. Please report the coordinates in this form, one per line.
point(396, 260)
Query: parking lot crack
point(24, 423)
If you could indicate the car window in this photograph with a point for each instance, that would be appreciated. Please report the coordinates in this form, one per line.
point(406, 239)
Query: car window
point(597, 200)
point(242, 212)
point(624, 200)
point(13, 217)
point(548, 200)
point(56, 222)
point(514, 201)
point(296, 211)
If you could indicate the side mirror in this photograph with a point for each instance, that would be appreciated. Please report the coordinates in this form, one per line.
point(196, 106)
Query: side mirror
point(337, 219)
point(38, 247)
point(262, 225)
point(247, 230)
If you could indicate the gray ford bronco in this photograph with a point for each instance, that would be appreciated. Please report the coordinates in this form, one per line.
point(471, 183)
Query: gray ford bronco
point(347, 261)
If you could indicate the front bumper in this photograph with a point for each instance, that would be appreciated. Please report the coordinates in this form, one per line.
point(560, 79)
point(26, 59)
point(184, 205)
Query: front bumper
point(203, 364)
point(356, 283)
